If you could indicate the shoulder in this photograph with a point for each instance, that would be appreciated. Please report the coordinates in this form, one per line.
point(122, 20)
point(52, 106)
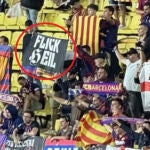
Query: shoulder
point(35, 124)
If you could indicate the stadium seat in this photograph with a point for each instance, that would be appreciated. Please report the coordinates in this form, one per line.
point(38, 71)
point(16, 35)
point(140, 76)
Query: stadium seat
point(15, 36)
point(11, 23)
point(48, 33)
point(15, 86)
point(15, 64)
point(2, 26)
point(21, 22)
point(8, 34)
point(48, 4)
point(44, 114)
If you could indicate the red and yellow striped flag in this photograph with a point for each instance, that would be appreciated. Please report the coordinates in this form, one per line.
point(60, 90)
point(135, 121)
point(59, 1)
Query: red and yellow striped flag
point(91, 131)
point(86, 31)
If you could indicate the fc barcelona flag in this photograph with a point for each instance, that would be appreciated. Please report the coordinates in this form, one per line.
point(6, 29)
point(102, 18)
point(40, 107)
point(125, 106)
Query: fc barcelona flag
point(86, 32)
point(90, 131)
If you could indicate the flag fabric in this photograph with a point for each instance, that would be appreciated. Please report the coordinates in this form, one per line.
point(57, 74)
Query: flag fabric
point(144, 77)
point(86, 32)
point(4, 69)
point(91, 131)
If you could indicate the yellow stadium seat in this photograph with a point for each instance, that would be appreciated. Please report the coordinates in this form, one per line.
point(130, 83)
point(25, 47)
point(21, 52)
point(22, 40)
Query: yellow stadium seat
point(61, 35)
point(48, 4)
point(2, 26)
point(21, 22)
point(15, 64)
point(15, 36)
point(15, 87)
point(11, 23)
point(8, 34)
point(57, 125)
point(48, 33)
point(44, 114)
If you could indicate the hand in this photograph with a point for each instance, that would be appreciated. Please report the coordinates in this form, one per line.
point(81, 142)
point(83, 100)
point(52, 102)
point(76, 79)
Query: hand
point(16, 140)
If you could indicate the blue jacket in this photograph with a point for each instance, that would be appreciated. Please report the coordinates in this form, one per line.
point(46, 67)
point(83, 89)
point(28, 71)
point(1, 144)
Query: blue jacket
point(10, 124)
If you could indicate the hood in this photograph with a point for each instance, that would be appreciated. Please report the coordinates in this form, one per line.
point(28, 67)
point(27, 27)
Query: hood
point(13, 111)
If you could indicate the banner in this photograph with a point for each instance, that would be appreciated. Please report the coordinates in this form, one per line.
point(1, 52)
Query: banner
point(86, 32)
point(109, 120)
point(29, 143)
point(60, 145)
point(144, 77)
point(4, 69)
point(10, 99)
point(45, 53)
point(103, 88)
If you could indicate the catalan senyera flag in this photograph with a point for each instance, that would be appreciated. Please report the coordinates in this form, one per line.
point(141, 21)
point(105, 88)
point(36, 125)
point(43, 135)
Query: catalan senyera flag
point(91, 131)
point(86, 32)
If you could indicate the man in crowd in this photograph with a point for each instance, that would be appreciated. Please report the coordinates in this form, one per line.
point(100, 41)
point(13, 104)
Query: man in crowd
point(29, 127)
point(65, 131)
point(32, 9)
point(133, 63)
point(11, 121)
point(31, 94)
point(92, 9)
point(146, 16)
point(108, 37)
point(4, 41)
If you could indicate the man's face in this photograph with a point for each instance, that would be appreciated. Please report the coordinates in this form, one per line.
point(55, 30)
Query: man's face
point(142, 30)
point(118, 130)
point(107, 13)
point(146, 10)
point(132, 57)
point(2, 42)
point(99, 62)
point(63, 123)
point(22, 82)
point(96, 101)
point(115, 107)
point(91, 12)
point(147, 126)
point(8, 114)
point(101, 74)
point(27, 118)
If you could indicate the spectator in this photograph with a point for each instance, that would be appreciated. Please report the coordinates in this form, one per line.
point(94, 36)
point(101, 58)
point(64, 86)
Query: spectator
point(133, 63)
point(32, 9)
point(121, 137)
point(77, 10)
point(31, 94)
point(122, 6)
point(5, 41)
point(146, 17)
point(65, 131)
point(92, 9)
point(84, 61)
point(143, 138)
point(29, 127)
point(108, 37)
point(11, 121)
point(140, 8)
point(117, 107)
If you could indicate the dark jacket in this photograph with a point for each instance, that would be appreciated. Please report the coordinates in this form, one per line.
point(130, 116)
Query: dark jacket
point(33, 4)
point(10, 124)
point(143, 139)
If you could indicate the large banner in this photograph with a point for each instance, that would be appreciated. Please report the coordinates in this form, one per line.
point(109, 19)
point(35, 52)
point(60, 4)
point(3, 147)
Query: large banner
point(45, 53)
point(4, 68)
point(30, 143)
point(86, 32)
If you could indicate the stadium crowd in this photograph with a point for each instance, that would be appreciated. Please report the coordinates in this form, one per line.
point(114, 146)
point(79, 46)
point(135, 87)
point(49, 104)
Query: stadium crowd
point(121, 109)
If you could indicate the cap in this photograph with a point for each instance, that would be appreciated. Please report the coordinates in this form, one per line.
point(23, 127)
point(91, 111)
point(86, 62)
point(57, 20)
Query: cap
point(23, 76)
point(132, 51)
